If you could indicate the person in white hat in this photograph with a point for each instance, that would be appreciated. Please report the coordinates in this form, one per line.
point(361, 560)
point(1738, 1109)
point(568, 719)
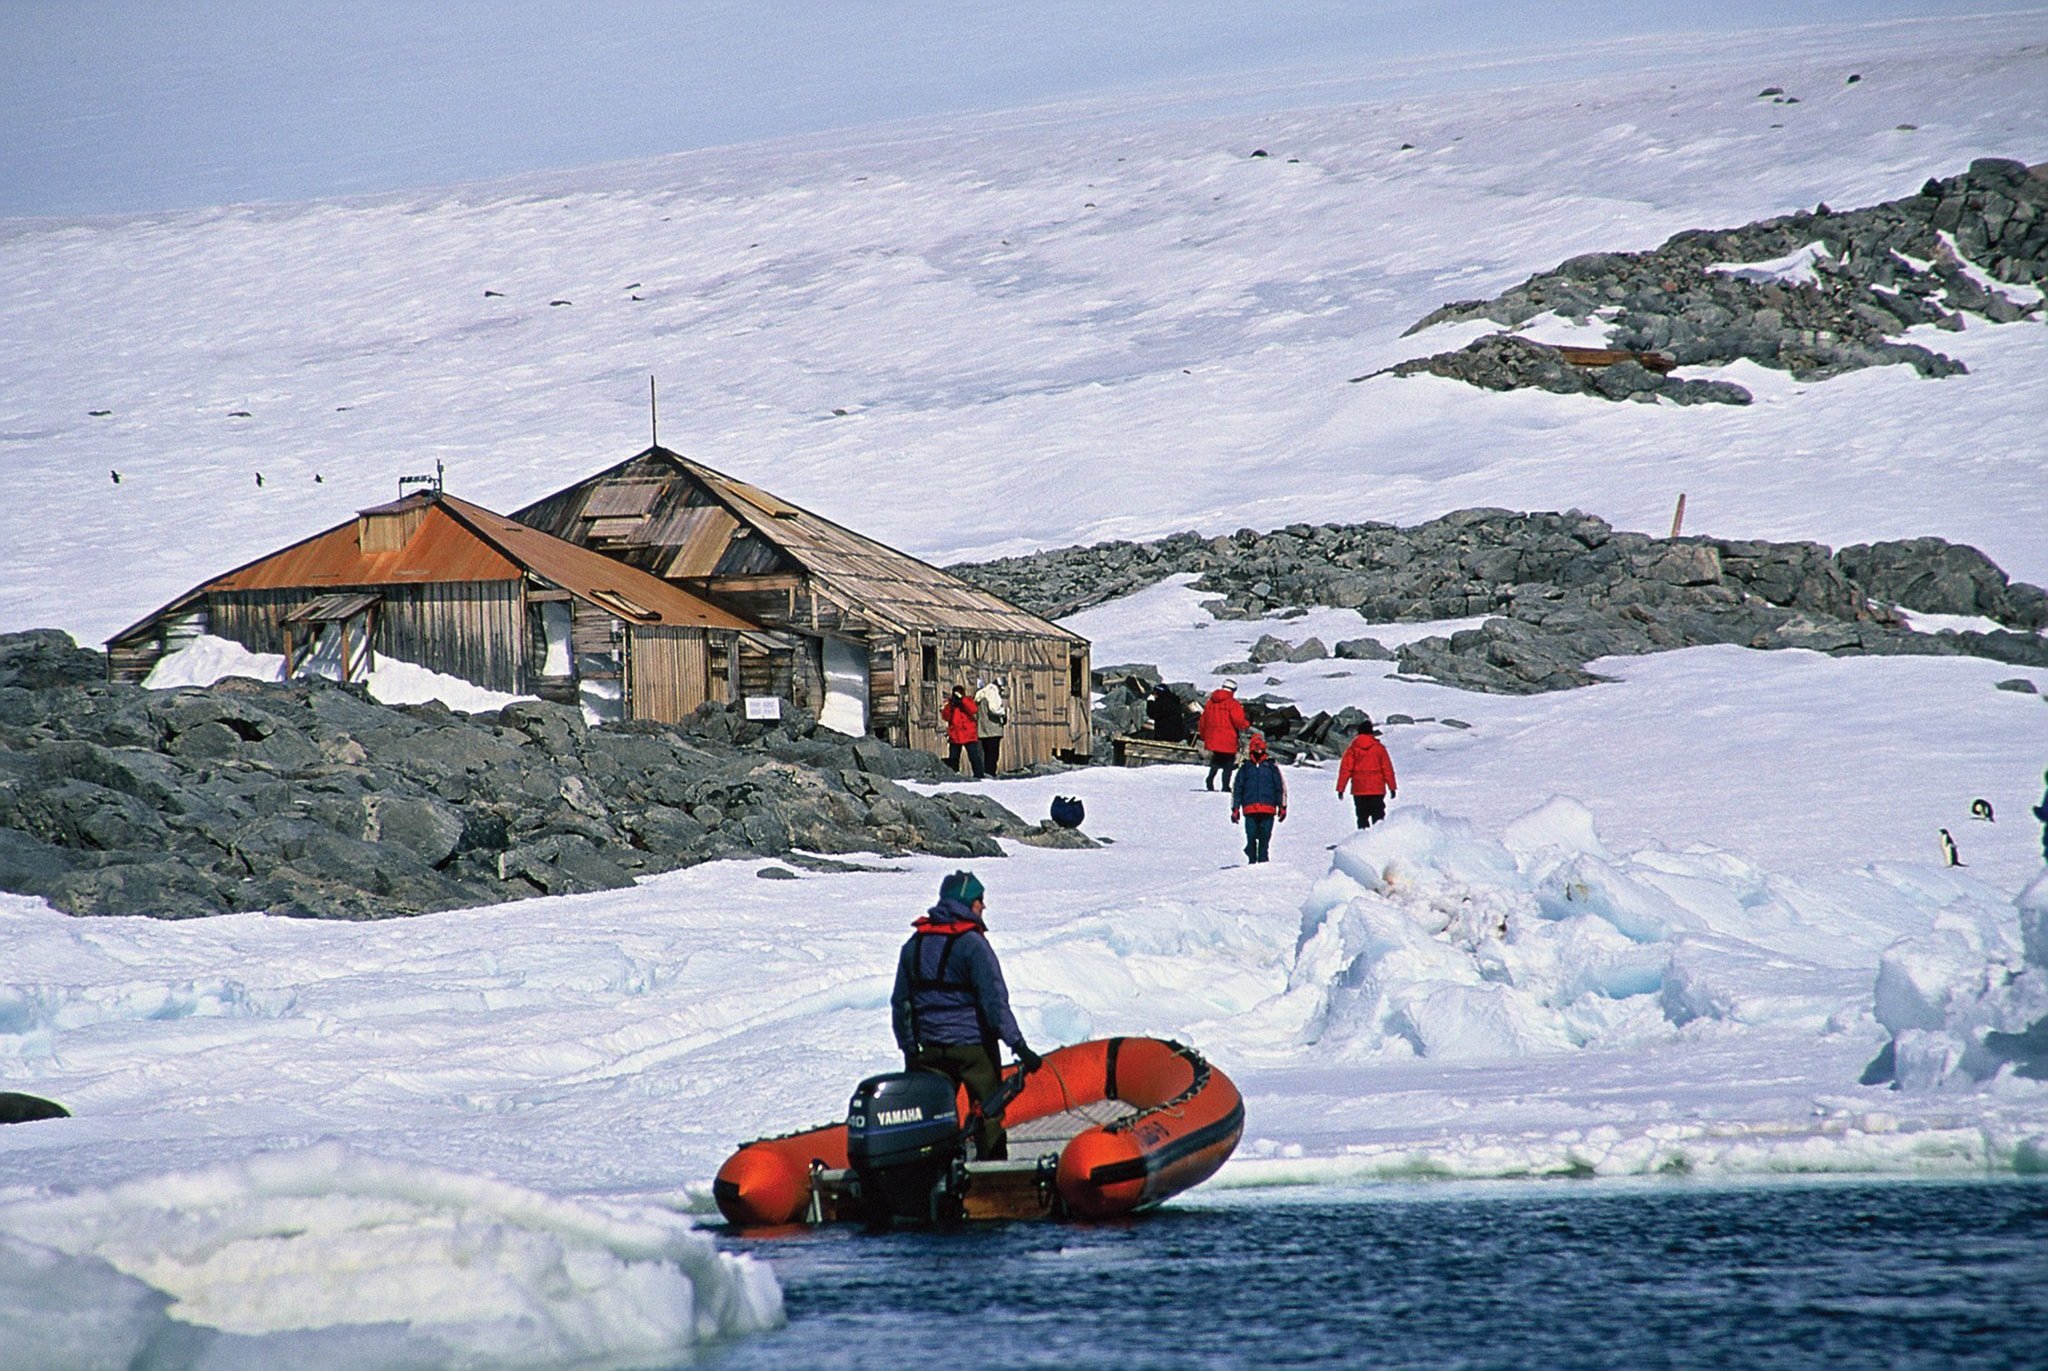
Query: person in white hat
point(1223, 723)
point(993, 717)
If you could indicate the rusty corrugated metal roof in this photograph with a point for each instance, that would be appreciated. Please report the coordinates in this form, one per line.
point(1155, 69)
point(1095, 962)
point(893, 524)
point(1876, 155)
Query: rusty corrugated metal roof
point(441, 550)
point(457, 541)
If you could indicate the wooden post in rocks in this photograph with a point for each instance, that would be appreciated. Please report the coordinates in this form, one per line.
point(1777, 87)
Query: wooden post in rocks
point(1678, 515)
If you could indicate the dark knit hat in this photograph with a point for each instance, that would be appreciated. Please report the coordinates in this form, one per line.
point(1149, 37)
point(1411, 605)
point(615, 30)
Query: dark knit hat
point(961, 886)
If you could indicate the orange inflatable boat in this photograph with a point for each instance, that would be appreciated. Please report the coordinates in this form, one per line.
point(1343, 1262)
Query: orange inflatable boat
point(1099, 1129)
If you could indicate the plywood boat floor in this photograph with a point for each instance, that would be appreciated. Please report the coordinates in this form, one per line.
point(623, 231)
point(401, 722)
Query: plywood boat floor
point(1054, 1131)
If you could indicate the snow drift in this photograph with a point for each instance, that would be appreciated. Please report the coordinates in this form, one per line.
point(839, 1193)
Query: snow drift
point(323, 1256)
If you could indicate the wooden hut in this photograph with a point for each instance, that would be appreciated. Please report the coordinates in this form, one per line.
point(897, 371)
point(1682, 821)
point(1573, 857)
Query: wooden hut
point(870, 638)
point(450, 586)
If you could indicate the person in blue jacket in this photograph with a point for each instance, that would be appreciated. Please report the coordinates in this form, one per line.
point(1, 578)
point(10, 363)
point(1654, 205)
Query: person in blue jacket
point(1259, 797)
point(950, 1005)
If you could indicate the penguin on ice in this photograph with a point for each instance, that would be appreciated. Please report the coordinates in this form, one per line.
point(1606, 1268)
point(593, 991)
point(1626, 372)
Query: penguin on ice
point(1981, 809)
point(1948, 850)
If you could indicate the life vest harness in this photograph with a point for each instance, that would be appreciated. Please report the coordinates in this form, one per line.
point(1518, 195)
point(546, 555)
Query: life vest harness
point(961, 991)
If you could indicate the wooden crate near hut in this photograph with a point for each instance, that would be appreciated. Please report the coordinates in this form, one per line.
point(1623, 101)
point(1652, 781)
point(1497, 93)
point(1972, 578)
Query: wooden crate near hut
point(1135, 749)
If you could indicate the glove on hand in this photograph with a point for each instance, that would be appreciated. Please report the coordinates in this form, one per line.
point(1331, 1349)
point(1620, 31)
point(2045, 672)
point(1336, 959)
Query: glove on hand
point(1283, 816)
point(1233, 816)
point(1029, 1059)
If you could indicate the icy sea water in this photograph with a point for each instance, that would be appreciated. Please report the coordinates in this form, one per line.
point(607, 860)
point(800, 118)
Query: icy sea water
point(1555, 1274)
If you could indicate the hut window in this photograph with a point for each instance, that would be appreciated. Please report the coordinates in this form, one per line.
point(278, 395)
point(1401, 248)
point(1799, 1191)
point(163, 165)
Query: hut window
point(930, 663)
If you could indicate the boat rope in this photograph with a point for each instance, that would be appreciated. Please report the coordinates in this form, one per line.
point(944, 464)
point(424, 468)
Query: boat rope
point(1066, 1095)
point(1177, 1106)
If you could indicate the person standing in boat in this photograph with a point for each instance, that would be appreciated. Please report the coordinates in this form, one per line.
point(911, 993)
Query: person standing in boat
point(950, 1006)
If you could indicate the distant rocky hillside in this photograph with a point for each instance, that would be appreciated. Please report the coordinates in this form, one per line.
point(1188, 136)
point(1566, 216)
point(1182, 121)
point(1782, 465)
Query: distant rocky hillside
point(312, 799)
point(1561, 590)
point(1848, 284)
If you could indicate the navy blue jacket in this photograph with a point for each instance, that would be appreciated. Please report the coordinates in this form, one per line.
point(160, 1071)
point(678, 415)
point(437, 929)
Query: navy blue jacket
point(1259, 787)
point(949, 999)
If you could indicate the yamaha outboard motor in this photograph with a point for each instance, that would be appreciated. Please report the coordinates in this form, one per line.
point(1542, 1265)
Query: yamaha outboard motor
point(904, 1142)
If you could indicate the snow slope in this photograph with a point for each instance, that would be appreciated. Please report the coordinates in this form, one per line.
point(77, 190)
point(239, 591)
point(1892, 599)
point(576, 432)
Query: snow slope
point(1631, 929)
point(1078, 327)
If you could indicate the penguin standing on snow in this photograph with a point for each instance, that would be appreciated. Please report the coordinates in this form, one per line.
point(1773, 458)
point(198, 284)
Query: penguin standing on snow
point(1948, 850)
point(2041, 813)
point(1981, 809)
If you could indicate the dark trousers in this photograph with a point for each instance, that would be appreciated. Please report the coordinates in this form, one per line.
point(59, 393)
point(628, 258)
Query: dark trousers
point(974, 1066)
point(974, 757)
point(1225, 762)
point(991, 749)
point(1258, 836)
point(1370, 809)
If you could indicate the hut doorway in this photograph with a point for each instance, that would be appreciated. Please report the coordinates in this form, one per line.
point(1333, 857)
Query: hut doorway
point(846, 689)
point(330, 637)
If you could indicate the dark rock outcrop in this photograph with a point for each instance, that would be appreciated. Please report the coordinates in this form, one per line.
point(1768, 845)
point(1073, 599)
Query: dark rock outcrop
point(19, 1108)
point(1705, 299)
point(1554, 591)
point(1508, 361)
point(310, 798)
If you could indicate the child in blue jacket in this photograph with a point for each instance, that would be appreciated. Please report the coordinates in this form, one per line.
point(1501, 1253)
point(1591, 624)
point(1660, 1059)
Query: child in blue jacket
point(1259, 797)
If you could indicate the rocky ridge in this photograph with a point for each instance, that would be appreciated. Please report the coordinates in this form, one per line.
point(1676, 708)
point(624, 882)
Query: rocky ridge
point(310, 798)
point(1557, 590)
point(1850, 283)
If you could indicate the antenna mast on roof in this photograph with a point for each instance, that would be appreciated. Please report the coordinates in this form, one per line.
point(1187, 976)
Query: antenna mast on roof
point(653, 417)
point(432, 483)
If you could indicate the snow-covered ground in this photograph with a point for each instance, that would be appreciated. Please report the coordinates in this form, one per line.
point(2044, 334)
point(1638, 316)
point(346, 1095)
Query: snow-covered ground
point(1631, 929)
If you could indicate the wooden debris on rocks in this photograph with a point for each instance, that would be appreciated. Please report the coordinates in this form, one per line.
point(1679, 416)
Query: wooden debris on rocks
point(1659, 362)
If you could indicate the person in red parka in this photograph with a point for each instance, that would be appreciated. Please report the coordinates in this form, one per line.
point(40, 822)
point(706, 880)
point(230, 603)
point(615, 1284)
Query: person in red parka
point(963, 732)
point(1369, 772)
point(1223, 722)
